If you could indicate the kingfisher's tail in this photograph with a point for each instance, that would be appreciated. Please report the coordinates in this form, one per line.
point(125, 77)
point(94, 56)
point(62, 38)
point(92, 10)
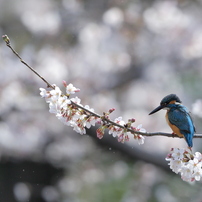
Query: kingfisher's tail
point(188, 137)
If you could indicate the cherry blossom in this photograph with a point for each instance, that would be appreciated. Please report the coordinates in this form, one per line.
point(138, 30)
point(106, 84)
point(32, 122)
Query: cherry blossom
point(72, 113)
point(187, 164)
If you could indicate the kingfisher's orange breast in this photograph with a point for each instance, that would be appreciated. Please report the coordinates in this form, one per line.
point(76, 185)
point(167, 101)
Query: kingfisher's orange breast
point(174, 128)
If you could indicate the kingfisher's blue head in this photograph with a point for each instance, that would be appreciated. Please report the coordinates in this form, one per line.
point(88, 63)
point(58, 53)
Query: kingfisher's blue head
point(166, 102)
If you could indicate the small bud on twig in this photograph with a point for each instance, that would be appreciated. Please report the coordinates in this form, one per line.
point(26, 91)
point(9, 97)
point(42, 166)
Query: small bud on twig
point(6, 39)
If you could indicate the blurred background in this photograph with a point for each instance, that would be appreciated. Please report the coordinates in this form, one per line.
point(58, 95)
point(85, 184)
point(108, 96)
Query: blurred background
point(122, 54)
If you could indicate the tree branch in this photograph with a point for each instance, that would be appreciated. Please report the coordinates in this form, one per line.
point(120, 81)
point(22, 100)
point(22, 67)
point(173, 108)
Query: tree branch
point(104, 118)
point(7, 40)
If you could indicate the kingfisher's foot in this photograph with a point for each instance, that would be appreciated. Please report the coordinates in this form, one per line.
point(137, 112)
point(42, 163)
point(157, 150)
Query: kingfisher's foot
point(190, 148)
point(174, 135)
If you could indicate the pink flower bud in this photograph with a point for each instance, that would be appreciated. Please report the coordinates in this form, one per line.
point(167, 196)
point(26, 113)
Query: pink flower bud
point(64, 83)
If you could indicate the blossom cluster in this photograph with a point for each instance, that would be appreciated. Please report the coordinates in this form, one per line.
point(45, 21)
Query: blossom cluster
point(72, 113)
point(186, 163)
point(122, 132)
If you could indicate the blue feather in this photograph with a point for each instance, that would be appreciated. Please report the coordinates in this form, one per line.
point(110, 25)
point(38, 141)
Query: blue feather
point(179, 116)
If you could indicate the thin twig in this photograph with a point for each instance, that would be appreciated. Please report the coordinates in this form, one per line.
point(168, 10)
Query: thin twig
point(7, 40)
point(108, 121)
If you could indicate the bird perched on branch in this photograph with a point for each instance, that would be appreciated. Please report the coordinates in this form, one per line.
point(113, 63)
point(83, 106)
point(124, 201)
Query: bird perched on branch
point(177, 117)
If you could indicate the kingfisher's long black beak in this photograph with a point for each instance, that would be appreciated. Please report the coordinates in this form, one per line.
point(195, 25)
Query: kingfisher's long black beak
point(157, 109)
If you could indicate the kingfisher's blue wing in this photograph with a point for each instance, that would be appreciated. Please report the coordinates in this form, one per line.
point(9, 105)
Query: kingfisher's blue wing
point(182, 120)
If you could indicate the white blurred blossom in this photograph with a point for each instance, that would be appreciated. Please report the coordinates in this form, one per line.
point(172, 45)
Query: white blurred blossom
point(164, 17)
point(197, 108)
point(113, 17)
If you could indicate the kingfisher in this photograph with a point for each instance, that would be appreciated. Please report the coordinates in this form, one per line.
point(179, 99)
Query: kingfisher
point(177, 117)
